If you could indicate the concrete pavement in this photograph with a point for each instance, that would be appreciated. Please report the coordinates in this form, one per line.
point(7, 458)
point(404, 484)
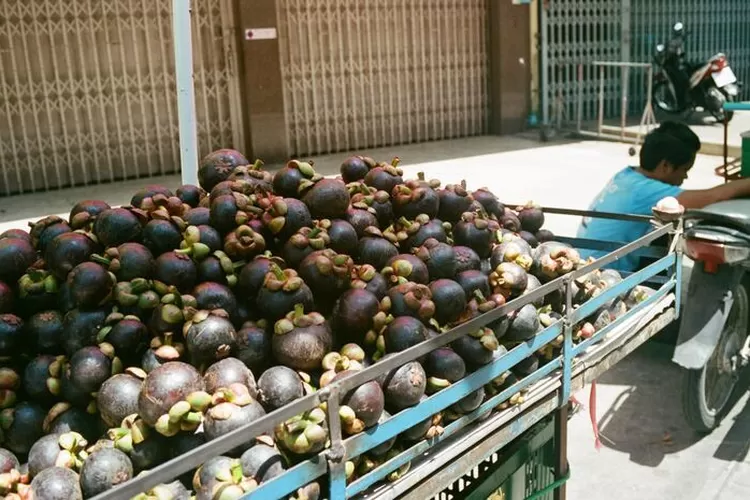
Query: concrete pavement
point(649, 453)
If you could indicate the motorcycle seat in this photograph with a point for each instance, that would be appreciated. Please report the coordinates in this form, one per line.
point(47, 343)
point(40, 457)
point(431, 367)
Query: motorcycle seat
point(731, 214)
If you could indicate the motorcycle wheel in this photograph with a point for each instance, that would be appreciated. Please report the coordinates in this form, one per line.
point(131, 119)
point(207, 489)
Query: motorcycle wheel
point(707, 392)
point(718, 111)
point(664, 99)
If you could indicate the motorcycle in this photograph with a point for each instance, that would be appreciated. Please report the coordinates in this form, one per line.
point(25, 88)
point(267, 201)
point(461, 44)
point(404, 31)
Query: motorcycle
point(681, 86)
point(713, 345)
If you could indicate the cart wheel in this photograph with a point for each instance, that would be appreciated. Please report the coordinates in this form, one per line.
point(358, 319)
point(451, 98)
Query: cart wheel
point(631, 151)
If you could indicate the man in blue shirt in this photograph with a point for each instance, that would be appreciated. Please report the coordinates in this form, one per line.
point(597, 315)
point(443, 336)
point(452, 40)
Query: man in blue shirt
point(666, 157)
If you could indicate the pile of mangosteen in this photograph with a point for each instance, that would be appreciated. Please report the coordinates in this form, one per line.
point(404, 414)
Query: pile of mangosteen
point(130, 335)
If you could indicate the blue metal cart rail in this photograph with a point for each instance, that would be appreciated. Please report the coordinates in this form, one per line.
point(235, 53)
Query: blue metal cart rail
point(549, 390)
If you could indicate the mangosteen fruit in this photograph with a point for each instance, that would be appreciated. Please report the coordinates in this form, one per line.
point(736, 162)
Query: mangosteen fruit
point(443, 367)
point(104, 469)
point(553, 259)
point(374, 249)
point(361, 407)
point(543, 235)
point(6, 298)
point(281, 291)
point(404, 386)
point(524, 324)
point(342, 235)
point(56, 483)
point(253, 274)
point(63, 417)
point(161, 236)
point(476, 232)
point(244, 243)
point(217, 166)
point(165, 387)
point(45, 230)
point(449, 298)
point(365, 277)
point(466, 259)
point(229, 371)
point(117, 397)
point(147, 192)
point(126, 334)
point(414, 198)
point(254, 345)
point(384, 176)
point(61, 450)
point(16, 256)
point(116, 226)
point(214, 470)
point(190, 195)
point(509, 279)
point(467, 404)
point(39, 290)
point(286, 180)
point(531, 217)
point(514, 250)
point(11, 335)
point(361, 216)
point(355, 314)
point(403, 332)
point(10, 383)
point(198, 216)
point(473, 280)
point(219, 268)
point(8, 461)
point(90, 285)
point(253, 177)
point(41, 378)
point(489, 202)
point(300, 340)
point(426, 429)
point(262, 461)
point(355, 168)
point(127, 261)
point(285, 216)
point(350, 357)
point(326, 198)
point(476, 348)
point(85, 212)
point(210, 296)
point(529, 238)
point(327, 273)
point(303, 434)
point(439, 257)
point(64, 253)
point(176, 269)
point(15, 234)
point(231, 408)
point(302, 243)
point(279, 386)
point(454, 201)
point(412, 299)
point(209, 337)
point(380, 201)
point(405, 268)
point(22, 426)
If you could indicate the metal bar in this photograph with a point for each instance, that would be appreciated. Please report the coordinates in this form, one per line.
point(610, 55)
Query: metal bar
point(613, 256)
point(561, 446)
point(608, 246)
point(600, 118)
point(183, 59)
point(579, 113)
point(567, 351)
point(336, 453)
point(620, 64)
point(591, 305)
point(590, 213)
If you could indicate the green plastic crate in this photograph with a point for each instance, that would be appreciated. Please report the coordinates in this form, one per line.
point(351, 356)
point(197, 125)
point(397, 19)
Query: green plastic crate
point(523, 470)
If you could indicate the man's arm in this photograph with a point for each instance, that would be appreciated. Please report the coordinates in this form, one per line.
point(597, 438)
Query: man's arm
point(699, 198)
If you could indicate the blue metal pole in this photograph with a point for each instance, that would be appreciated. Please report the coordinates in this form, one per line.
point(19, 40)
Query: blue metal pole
point(183, 61)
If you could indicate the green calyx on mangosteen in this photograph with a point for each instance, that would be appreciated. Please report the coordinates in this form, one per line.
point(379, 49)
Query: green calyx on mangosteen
point(509, 279)
point(284, 216)
point(405, 268)
point(303, 434)
point(282, 290)
point(350, 357)
point(127, 261)
point(243, 243)
point(304, 242)
point(361, 407)
point(412, 299)
point(475, 231)
point(366, 277)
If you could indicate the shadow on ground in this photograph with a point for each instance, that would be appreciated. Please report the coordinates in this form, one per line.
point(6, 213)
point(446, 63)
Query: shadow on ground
point(646, 421)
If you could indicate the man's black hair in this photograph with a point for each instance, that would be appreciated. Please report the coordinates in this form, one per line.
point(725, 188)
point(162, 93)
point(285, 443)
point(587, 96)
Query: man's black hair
point(682, 132)
point(661, 146)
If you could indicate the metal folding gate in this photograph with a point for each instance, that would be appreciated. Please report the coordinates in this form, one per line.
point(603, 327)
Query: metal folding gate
point(87, 89)
point(380, 72)
point(580, 31)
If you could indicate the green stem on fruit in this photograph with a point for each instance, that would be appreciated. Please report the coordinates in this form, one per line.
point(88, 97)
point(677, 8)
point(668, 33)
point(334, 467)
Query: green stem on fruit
point(277, 272)
point(257, 164)
point(101, 260)
point(395, 161)
point(299, 310)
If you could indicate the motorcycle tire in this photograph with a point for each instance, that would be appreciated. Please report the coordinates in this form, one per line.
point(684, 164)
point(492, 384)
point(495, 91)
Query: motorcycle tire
point(700, 415)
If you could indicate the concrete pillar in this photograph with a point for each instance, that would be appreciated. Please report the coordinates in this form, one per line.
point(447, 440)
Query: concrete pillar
point(510, 66)
point(262, 88)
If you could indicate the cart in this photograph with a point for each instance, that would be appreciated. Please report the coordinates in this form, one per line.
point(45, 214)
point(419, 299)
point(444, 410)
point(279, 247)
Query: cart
point(468, 450)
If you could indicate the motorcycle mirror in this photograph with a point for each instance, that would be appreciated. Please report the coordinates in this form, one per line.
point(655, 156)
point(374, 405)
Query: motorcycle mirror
point(678, 27)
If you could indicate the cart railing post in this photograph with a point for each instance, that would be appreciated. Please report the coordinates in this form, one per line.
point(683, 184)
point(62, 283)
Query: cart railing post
point(183, 61)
